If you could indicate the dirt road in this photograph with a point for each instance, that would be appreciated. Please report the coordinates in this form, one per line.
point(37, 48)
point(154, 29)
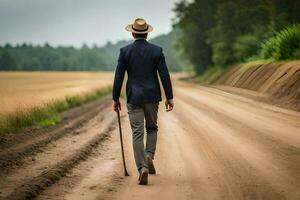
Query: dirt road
point(214, 145)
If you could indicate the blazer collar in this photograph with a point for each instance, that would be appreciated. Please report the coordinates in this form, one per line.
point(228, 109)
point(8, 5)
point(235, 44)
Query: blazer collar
point(140, 40)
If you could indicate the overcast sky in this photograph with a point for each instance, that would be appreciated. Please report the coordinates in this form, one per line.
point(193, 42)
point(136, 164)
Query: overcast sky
point(74, 22)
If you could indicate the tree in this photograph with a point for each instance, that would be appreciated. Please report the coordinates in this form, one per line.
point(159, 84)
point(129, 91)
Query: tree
point(7, 60)
point(195, 20)
point(225, 32)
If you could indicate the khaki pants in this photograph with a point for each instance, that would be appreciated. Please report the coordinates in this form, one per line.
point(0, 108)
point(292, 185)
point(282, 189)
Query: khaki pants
point(137, 115)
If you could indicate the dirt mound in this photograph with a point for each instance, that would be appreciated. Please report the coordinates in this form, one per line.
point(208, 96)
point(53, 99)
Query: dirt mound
point(280, 81)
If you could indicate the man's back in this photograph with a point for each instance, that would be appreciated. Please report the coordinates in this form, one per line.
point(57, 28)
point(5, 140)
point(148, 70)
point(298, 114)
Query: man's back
point(142, 60)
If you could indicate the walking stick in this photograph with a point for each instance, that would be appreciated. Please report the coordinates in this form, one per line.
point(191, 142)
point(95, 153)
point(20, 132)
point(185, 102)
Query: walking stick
point(121, 139)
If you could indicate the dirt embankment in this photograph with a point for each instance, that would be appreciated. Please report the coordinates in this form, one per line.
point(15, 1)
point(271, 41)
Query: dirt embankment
point(278, 83)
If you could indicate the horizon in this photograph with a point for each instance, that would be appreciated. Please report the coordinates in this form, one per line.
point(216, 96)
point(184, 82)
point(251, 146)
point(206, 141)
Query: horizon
point(75, 23)
point(77, 47)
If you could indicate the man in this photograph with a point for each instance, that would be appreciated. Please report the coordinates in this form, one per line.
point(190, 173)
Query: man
point(142, 60)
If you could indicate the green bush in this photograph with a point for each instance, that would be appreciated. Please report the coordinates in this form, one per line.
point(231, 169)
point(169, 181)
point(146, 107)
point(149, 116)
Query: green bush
point(284, 45)
point(245, 46)
point(222, 55)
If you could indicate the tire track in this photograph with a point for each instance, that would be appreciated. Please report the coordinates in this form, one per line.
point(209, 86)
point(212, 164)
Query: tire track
point(36, 185)
point(13, 156)
point(221, 146)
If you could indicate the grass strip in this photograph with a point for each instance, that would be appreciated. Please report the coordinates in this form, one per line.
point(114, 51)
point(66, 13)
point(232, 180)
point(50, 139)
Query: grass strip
point(210, 75)
point(48, 114)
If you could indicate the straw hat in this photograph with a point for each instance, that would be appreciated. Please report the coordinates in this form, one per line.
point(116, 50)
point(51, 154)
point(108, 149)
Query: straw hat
point(139, 26)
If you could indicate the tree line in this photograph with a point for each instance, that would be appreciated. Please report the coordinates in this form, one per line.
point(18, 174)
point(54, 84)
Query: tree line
point(224, 32)
point(206, 34)
point(46, 57)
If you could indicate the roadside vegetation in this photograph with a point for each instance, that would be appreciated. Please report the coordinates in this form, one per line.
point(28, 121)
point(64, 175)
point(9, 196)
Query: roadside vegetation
point(48, 114)
point(284, 45)
point(209, 75)
point(218, 34)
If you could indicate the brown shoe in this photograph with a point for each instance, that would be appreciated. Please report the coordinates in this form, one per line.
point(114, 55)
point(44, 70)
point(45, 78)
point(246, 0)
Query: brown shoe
point(143, 178)
point(151, 165)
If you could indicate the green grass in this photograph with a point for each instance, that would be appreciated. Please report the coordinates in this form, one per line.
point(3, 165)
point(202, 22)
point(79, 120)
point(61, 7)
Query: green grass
point(46, 115)
point(210, 75)
point(49, 121)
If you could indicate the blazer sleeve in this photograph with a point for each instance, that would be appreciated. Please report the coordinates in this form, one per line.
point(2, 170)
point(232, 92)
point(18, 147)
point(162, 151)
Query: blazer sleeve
point(119, 76)
point(165, 76)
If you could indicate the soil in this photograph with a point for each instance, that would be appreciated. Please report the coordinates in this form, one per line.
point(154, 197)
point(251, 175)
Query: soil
point(218, 143)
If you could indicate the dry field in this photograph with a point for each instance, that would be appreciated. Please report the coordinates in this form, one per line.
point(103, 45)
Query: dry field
point(19, 90)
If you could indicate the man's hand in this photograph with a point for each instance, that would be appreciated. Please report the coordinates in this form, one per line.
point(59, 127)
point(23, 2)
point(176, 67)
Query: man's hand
point(169, 105)
point(116, 105)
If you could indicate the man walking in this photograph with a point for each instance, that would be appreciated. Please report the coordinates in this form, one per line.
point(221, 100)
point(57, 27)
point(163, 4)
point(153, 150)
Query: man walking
point(142, 61)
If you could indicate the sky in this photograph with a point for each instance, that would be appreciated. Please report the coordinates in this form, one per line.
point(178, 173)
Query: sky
point(75, 22)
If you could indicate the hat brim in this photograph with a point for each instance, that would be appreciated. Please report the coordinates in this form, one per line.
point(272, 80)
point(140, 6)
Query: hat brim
point(130, 29)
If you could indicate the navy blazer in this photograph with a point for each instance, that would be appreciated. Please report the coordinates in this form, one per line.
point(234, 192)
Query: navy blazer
point(142, 60)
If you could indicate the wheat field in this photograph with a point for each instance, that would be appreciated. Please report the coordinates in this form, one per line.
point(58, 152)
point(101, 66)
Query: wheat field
point(20, 90)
